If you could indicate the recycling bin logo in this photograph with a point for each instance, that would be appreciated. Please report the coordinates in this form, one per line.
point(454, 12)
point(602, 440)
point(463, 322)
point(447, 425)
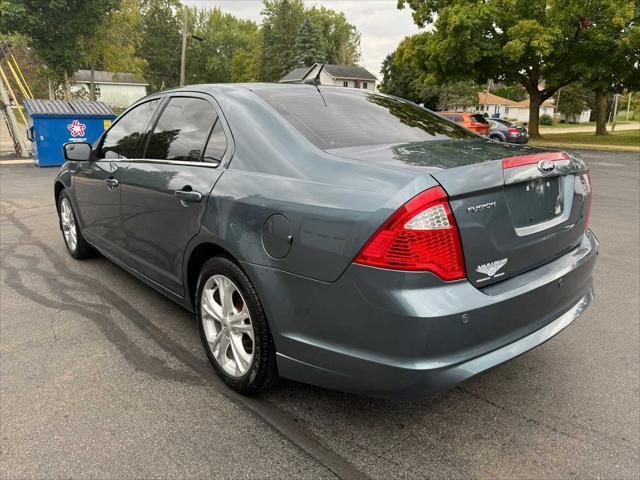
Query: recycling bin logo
point(76, 128)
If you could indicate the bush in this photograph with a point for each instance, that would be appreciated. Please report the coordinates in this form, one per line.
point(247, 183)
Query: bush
point(546, 119)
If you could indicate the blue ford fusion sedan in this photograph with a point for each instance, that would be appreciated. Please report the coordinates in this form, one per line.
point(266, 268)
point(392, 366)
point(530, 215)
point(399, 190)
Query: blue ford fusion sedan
point(334, 236)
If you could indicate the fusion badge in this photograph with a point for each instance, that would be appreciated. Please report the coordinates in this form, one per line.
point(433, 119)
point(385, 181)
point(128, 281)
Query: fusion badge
point(481, 207)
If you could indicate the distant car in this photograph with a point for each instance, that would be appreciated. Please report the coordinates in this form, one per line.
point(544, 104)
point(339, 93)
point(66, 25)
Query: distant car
point(335, 236)
point(473, 121)
point(504, 131)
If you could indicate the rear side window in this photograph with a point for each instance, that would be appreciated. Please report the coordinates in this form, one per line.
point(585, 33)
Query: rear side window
point(123, 139)
point(351, 119)
point(479, 119)
point(217, 144)
point(182, 130)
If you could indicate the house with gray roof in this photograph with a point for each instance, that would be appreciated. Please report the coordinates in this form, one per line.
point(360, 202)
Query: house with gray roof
point(339, 75)
point(117, 90)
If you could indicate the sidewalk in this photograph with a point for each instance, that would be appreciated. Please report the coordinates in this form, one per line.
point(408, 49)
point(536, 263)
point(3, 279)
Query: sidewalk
point(590, 128)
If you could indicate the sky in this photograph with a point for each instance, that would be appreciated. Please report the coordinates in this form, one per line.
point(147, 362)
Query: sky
point(381, 25)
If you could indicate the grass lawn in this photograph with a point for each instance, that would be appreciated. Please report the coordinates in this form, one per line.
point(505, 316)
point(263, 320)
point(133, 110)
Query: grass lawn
point(620, 121)
point(625, 138)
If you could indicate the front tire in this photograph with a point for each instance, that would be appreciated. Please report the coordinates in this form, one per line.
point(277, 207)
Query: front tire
point(74, 240)
point(234, 329)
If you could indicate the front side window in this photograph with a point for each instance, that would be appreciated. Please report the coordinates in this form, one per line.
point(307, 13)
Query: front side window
point(123, 138)
point(181, 130)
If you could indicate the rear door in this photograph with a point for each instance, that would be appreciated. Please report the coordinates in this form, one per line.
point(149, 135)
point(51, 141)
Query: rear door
point(517, 213)
point(96, 182)
point(165, 193)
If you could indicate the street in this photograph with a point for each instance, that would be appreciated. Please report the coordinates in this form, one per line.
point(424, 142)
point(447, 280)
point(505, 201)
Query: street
point(102, 377)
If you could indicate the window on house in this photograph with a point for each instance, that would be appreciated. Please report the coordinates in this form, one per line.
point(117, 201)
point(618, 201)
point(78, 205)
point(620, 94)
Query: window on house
point(345, 84)
point(506, 110)
point(365, 85)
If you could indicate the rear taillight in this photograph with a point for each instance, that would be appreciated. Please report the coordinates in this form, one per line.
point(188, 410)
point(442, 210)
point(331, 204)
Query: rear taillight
point(421, 235)
point(477, 125)
point(589, 200)
point(514, 130)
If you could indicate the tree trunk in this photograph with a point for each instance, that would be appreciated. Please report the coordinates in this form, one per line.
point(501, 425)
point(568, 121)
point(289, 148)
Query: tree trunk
point(535, 100)
point(601, 111)
point(67, 87)
point(92, 82)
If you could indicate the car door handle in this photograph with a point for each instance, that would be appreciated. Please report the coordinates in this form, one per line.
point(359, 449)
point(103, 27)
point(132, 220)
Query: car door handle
point(111, 183)
point(188, 195)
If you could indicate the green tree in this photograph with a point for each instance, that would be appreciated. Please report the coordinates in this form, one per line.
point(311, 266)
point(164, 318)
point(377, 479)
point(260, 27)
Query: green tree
point(515, 92)
point(160, 49)
point(115, 45)
point(456, 95)
point(404, 73)
point(283, 36)
point(56, 29)
point(245, 64)
point(33, 69)
point(573, 101)
point(613, 55)
point(224, 37)
point(339, 40)
point(281, 21)
point(542, 45)
point(307, 45)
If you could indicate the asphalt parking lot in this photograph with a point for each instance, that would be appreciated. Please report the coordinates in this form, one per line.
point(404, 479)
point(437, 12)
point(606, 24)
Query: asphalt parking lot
point(102, 377)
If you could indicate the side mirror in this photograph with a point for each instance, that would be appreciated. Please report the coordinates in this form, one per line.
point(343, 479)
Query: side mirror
point(77, 151)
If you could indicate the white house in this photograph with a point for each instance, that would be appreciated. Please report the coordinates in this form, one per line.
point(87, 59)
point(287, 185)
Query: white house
point(519, 111)
point(115, 89)
point(338, 75)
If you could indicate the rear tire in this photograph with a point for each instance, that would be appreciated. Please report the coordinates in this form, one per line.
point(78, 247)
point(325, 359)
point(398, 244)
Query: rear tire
point(234, 329)
point(497, 138)
point(77, 246)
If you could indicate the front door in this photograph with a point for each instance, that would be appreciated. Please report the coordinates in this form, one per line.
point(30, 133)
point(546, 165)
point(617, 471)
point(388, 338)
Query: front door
point(97, 182)
point(164, 195)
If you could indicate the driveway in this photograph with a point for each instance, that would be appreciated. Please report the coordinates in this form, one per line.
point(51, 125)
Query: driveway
point(101, 377)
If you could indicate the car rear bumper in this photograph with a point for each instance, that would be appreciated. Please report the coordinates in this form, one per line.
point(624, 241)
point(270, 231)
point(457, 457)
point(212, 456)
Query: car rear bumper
point(405, 335)
point(518, 140)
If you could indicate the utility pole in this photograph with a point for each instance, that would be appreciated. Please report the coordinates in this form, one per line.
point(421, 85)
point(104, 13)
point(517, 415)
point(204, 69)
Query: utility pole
point(486, 94)
point(628, 106)
point(615, 111)
point(183, 58)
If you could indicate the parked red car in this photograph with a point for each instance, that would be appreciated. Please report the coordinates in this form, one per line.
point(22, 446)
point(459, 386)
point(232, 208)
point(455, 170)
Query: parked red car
point(472, 121)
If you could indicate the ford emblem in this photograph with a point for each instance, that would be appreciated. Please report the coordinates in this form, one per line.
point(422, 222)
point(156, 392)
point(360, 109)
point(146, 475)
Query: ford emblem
point(546, 166)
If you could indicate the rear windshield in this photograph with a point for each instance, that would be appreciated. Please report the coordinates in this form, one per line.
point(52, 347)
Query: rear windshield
point(479, 118)
point(352, 119)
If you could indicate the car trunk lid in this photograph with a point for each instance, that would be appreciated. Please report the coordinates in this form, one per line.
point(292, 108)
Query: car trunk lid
point(517, 212)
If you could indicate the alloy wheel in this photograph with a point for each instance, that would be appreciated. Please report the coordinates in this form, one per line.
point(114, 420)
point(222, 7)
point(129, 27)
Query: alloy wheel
point(68, 225)
point(227, 325)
